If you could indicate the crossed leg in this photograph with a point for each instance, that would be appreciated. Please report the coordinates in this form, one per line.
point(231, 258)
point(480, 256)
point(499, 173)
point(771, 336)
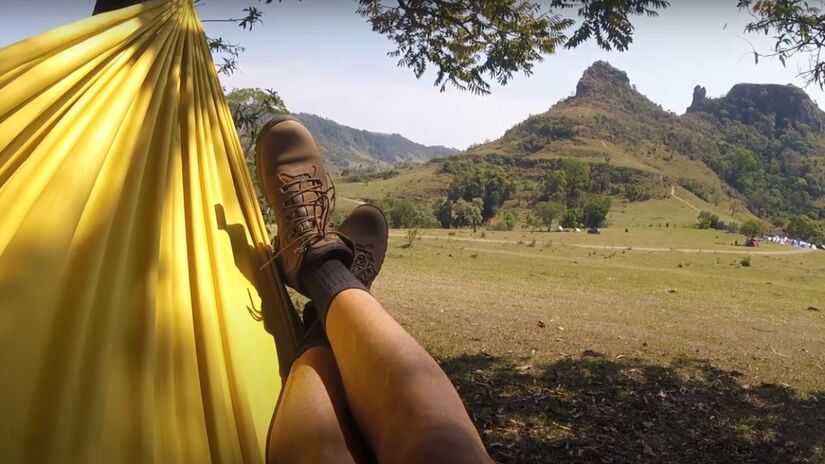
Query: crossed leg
point(312, 422)
point(402, 402)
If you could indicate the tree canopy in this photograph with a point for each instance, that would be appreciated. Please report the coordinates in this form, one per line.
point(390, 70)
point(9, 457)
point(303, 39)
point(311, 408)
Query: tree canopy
point(798, 28)
point(492, 186)
point(470, 43)
point(804, 228)
point(467, 213)
point(595, 209)
point(753, 228)
point(548, 211)
point(250, 108)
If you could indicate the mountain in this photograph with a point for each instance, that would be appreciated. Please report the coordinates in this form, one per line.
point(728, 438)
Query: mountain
point(759, 147)
point(748, 103)
point(350, 150)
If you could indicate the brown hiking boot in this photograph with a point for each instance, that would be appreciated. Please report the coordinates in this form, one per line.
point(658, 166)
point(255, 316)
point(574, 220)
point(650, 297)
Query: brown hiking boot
point(296, 186)
point(366, 227)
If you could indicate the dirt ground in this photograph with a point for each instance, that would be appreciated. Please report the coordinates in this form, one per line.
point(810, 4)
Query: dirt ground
point(569, 354)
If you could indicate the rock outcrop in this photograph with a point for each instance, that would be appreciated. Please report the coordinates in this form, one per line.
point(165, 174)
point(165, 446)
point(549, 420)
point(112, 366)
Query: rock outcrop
point(750, 103)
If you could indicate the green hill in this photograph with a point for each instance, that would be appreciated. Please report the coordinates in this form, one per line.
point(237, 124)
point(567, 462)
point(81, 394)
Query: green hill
point(350, 150)
point(755, 149)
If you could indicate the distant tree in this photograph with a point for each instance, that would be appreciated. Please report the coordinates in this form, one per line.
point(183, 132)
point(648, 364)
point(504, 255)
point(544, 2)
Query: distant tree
point(595, 209)
point(804, 228)
point(510, 220)
point(753, 228)
point(493, 186)
point(403, 215)
point(571, 218)
point(467, 213)
point(406, 214)
point(708, 220)
point(555, 186)
point(577, 175)
point(745, 170)
point(546, 212)
point(444, 213)
point(251, 108)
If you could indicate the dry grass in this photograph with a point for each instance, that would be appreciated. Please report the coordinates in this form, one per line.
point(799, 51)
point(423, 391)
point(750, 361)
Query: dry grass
point(566, 354)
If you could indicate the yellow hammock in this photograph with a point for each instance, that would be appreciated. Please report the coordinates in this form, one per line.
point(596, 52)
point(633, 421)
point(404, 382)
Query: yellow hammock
point(130, 248)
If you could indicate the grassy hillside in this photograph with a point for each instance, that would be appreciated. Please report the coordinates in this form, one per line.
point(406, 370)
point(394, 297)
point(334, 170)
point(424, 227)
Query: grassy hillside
point(707, 155)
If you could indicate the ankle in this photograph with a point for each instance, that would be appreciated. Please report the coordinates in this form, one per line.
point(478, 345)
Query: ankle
point(324, 281)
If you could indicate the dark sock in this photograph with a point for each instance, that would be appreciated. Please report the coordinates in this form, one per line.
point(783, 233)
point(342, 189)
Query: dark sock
point(314, 334)
point(324, 280)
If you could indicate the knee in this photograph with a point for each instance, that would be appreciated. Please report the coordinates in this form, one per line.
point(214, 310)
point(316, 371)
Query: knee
point(319, 451)
point(443, 444)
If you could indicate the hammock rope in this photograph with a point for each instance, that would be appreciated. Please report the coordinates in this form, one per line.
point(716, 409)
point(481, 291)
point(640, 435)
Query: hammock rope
point(131, 247)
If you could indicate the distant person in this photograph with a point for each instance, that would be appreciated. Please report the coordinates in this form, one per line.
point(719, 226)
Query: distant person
point(360, 388)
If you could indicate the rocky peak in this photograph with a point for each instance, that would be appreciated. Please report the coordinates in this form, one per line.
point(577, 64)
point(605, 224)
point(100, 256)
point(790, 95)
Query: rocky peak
point(748, 103)
point(699, 95)
point(602, 79)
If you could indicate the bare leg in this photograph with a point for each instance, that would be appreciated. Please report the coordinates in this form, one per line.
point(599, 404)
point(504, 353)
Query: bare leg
point(312, 422)
point(400, 397)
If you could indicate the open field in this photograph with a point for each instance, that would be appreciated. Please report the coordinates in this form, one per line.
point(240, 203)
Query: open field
point(572, 354)
point(650, 342)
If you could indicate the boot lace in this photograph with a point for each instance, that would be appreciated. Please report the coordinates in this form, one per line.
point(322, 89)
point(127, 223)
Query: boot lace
point(305, 228)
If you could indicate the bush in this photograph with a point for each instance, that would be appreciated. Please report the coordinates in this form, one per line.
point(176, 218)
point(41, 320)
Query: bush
point(753, 228)
point(708, 220)
point(492, 185)
point(746, 261)
point(571, 218)
point(595, 209)
point(697, 188)
point(406, 214)
point(508, 222)
point(546, 212)
point(804, 228)
point(412, 234)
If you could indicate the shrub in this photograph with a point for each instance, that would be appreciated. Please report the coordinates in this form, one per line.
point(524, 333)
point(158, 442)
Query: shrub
point(412, 234)
point(510, 220)
point(546, 212)
point(697, 188)
point(753, 228)
point(746, 261)
point(406, 214)
point(708, 220)
point(492, 185)
point(595, 209)
point(571, 218)
point(804, 228)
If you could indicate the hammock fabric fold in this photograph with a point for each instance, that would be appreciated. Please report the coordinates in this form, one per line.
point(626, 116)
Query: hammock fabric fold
point(131, 244)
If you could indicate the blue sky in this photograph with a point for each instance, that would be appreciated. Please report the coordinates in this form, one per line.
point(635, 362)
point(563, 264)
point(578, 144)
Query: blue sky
point(324, 59)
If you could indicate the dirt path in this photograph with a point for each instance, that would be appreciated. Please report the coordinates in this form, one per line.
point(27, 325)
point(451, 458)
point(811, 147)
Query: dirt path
point(794, 251)
point(673, 194)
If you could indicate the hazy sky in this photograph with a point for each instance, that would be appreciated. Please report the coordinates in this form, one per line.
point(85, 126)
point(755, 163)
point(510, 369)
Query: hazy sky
point(324, 59)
